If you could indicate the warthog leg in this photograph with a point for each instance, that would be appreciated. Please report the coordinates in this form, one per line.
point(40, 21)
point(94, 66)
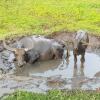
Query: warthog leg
point(75, 58)
point(82, 58)
point(68, 53)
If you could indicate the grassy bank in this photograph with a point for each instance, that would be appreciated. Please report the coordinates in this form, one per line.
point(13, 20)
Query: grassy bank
point(55, 95)
point(47, 16)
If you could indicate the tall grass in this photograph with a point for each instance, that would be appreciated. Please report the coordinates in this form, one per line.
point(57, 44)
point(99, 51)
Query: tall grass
point(47, 16)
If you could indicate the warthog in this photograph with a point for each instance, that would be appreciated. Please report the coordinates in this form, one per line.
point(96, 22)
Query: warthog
point(33, 48)
point(80, 44)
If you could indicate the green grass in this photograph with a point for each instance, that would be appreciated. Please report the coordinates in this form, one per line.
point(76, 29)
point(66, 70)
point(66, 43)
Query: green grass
point(55, 95)
point(47, 16)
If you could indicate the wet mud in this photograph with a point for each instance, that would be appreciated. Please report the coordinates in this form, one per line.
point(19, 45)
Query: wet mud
point(53, 74)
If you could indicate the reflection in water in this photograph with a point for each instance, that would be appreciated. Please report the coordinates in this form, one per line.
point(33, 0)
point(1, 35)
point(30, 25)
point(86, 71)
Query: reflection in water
point(38, 67)
point(78, 76)
point(63, 73)
point(63, 67)
point(81, 71)
point(65, 60)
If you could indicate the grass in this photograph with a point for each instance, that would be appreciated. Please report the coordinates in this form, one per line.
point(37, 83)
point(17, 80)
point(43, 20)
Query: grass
point(55, 95)
point(47, 16)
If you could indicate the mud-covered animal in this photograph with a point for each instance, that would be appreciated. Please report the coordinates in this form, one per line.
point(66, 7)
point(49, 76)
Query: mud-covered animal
point(32, 48)
point(31, 56)
point(80, 44)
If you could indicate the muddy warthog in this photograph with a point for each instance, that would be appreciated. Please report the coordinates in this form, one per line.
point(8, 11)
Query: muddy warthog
point(33, 48)
point(80, 44)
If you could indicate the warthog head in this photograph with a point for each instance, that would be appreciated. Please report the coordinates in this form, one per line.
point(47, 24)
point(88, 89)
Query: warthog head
point(19, 53)
point(77, 38)
point(80, 38)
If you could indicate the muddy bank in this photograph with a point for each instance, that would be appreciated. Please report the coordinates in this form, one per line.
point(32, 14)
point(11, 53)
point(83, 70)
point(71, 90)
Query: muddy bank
point(67, 36)
point(54, 74)
point(11, 83)
point(61, 36)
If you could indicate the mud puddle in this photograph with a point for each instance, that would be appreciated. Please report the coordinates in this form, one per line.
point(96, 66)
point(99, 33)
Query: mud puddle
point(67, 70)
point(56, 74)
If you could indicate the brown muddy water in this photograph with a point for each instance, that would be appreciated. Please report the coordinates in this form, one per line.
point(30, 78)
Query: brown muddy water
point(55, 74)
point(67, 69)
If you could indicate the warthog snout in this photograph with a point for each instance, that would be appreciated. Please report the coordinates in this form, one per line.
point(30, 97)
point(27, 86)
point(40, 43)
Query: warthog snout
point(20, 56)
